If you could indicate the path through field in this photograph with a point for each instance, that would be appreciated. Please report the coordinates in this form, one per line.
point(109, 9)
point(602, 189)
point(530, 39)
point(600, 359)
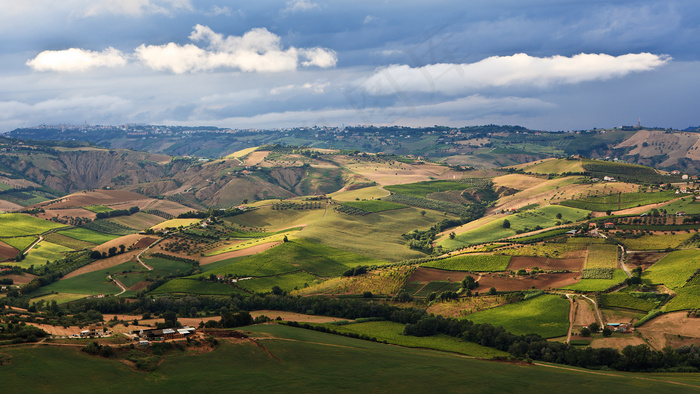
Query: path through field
point(138, 257)
point(118, 283)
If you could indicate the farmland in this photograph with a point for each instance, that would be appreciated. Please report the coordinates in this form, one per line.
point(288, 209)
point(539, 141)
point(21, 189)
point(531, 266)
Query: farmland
point(615, 202)
point(687, 297)
point(546, 315)
point(374, 205)
point(602, 256)
point(619, 276)
point(42, 253)
point(422, 189)
point(674, 269)
point(555, 166)
point(98, 208)
point(191, 286)
point(626, 301)
point(17, 225)
point(174, 223)
point(385, 281)
point(657, 242)
point(471, 262)
point(86, 235)
point(20, 243)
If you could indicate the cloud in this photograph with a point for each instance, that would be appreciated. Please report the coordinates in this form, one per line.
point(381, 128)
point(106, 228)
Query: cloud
point(75, 59)
point(502, 71)
point(135, 7)
point(256, 51)
point(315, 87)
point(217, 11)
point(299, 6)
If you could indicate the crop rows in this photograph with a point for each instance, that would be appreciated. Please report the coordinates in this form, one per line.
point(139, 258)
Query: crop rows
point(627, 301)
point(352, 210)
point(290, 205)
point(471, 262)
point(597, 273)
point(103, 226)
point(435, 205)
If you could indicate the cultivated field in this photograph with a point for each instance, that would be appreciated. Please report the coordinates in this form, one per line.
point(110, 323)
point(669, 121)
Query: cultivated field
point(602, 256)
point(673, 270)
point(471, 262)
point(18, 224)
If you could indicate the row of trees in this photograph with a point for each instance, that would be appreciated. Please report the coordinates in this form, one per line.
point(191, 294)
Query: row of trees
point(116, 213)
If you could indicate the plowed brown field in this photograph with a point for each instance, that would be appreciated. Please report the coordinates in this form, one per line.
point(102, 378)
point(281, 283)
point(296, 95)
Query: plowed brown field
point(543, 263)
point(542, 281)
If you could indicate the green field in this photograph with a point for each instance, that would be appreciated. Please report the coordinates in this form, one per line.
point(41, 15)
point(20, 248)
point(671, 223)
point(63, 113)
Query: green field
point(471, 262)
point(657, 242)
point(422, 189)
point(375, 205)
point(17, 224)
point(546, 315)
point(91, 282)
point(301, 364)
point(602, 256)
point(20, 243)
point(619, 276)
point(192, 286)
point(137, 221)
point(555, 166)
point(299, 254)
point(41, 253)
point(107, 227)
point(175, 223)
point(688, 205)
point(616, 202)
point(165, 267)
point(83, 234)
point(392, 333)
point(60, 298)
point(98, 208)
point(687, 297)
point(674, 269)
point(627, 301)
point(494, 230)
point(287, 282)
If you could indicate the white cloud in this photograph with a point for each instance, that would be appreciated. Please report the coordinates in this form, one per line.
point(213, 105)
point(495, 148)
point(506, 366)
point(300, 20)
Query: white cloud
point(217, 11)
point(500, 71)
point(135, 7)
point(315, 87)
point(75, 59)
point(299, 6)
point(256, 51)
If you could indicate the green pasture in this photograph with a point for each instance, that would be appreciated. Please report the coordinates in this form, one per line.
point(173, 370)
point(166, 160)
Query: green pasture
point(422, 189)
point(546, 315)
point(492, 231)
point(92, 282)
point(18, 224)
point(471, 262)
point(619, 276)
point(20, 243)
point(555, 166)
point(301, 364)
point(375, 205)
point(687, 297)
point(616, 202)
point(674, 269)
point(602, 256)
point(551, 250)
point(392, 333)
point(298, 254)
point(60, 298)
point(439, 286)
point(98, 208)
point(83, 234)
point(626, 301)
point(287, 282)
point(165, 267)
point(689, 205)
point(68, 242)
point(41, 253)
point(193, 286)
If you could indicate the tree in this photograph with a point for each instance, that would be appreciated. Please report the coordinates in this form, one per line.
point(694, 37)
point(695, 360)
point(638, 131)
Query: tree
point(492, 291)
point(422, 213)
point(607, 332)
point(469, 283)
point(112, 251)
point(594, 327)
point(285, 239)
point(122, 248)
point(506, 223)
point(95, 255)
point(559, 215)
point(585, 332)
point(452, 235)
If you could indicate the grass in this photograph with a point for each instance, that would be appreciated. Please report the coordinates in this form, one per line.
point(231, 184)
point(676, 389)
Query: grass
point(471, 262)
point(674, 269)
point(175, 223)
point(165, 267)
point(137, 221)
point(287, 282)
point(18, 224)
point(687, 297)
point(83, 234)
point(98, 208)
point(367, 193)
point(422, 189)
point(616, 202)
point(656, 242)
point(384, 281)
point(20, 243)
point(546, 315)
point(392, 333)
point(41, 253)
point(248, 243)
point(553, 250)
point(688, 205)
point(60, 298)
point(357, 366)
point(619, 276)
point(375, 205)
point(494, 230)
point(626, 301)
point(192, 286)
point(555, 166)
point(91, 282)
point(299, 254)
point(601, 256)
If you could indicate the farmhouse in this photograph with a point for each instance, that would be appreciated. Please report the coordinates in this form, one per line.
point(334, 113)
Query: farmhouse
point(608, 179)
point(680, 213)
point(94, 332)
point(609, 225)
point(166, 333)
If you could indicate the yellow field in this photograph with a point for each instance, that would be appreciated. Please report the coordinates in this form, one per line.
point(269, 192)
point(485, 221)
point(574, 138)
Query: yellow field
point(175, 223)
point(241, 153)
point(367, 193)
point(555, 166)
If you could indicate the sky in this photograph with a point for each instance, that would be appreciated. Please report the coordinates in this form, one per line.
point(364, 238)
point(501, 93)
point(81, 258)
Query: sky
point(543, 64)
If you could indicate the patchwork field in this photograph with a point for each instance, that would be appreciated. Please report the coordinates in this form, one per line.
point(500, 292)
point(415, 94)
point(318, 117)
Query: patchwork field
point(504, 282)
point(7, 251)
point(619, 276)
point(85, 235)
point(20, 243)
point(471, 262)
point(137, 221)
point(555, 166)
point(18, 224)
point(673, 270)
point(175, 223)
point(602, 256)
point(42, 253)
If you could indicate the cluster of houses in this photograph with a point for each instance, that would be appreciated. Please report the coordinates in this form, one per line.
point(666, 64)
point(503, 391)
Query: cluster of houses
point(162, 334)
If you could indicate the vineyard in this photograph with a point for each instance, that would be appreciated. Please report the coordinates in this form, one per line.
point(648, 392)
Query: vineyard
point(597, 273)
point(280, 206)
point(614, 202)
point(469, 262)
point(435, 205)
point(628, 172)
point(104, 226)
point(422, 189)
point(628, 301)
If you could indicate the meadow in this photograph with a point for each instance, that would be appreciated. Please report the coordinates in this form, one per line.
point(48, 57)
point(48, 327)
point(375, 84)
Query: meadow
point(687, 297)
point(137, 221)
point(86, 235)
point(375, 205)
point(471, 262)
point(304, 367)
point(68, 242)
point(528, 220)
point(98, 208)
point(20, 243)
point(17, 225)
point(42, 253)
point(602, 256)
point(674, 269)
point(688, 205)
point(192, 286)
point(615, 202)
point(552, 250)
point(175, 223)
point(546, 315)
point(287, 282)
point(555, 166)
point(626, 301)
point(656, 242)
point(384, 281)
